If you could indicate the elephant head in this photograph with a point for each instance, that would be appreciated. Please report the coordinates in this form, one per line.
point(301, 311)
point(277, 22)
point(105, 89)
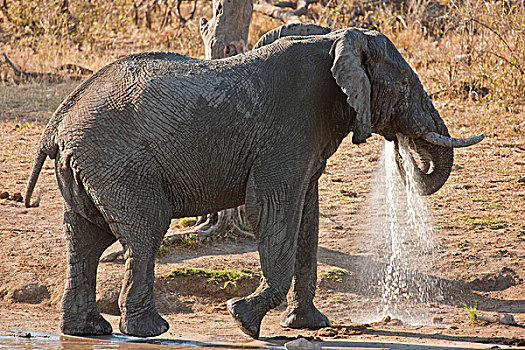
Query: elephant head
point(387, 98)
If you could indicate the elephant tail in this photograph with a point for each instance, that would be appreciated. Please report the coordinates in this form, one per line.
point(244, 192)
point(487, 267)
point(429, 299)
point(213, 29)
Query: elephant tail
point(37, 167)
point(48, 148)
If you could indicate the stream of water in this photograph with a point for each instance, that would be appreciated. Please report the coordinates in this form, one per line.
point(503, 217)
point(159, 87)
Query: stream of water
point(404, 241)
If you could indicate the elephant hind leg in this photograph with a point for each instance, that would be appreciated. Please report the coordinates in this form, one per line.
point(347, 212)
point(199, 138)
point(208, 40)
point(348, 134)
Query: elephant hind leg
point(141, 231)
point(87, 242)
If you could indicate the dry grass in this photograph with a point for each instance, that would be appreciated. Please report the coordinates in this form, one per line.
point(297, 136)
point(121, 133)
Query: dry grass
point(461, 49)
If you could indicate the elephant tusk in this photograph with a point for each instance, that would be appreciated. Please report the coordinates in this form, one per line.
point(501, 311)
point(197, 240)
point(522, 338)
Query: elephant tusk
point(451, 142)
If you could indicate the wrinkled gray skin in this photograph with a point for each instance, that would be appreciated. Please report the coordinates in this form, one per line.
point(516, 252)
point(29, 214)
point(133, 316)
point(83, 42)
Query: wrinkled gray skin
point(158, 136)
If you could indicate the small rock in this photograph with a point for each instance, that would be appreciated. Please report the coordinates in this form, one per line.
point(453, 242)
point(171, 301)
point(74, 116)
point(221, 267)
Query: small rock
point(395, 322)
point(453, 327)
point(337, 227)
point(507, 319)
point(4, 195)
point(302, 344)
point(501, 318)
point(17, 197)
point(373, 159)
point(336, 179)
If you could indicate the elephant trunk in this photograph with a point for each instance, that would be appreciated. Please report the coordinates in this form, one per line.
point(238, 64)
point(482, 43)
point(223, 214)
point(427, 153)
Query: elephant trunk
point(429, 139)
point(434, 166)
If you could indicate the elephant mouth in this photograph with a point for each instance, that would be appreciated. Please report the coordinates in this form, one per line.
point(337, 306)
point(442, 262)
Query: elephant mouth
point(432, 156)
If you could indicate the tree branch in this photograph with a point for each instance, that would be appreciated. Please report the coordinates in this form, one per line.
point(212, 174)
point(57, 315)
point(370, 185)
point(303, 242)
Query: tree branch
point(192, 13)
point(286, 16)
point(72, 71)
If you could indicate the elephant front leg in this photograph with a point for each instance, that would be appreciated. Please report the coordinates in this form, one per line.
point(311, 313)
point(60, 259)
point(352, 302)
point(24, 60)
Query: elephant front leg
point(275, 215)
point(301, 312)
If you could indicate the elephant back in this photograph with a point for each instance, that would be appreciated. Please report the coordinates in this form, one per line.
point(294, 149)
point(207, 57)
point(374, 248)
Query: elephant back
point(295, 29)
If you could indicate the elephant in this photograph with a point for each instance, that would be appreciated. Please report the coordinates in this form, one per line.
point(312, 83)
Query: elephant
point(156, 136)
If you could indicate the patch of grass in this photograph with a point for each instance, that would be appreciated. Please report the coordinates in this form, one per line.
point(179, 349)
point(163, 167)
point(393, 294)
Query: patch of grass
point(227, 235)
point(188, 222)
point(245, 227)
point(479, 200)
point(4, 157)
point(191, 241)
point(24, 125)
point(213, 276)
point(185, 241)
point(335, 274)
point(471, 311)
point(443, 224)
point(479, 222)
point(495, 206)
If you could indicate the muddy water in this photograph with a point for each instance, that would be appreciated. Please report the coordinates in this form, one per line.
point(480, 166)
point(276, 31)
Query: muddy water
point(23, 340)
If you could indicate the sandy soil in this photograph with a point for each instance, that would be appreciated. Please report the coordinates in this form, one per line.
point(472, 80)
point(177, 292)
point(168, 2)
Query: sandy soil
point(479, 219)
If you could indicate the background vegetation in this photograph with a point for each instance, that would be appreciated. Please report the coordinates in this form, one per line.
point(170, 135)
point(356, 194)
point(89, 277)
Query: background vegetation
point(461, 48)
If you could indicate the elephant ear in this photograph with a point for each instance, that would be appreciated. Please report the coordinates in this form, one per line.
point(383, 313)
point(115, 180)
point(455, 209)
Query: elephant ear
point(295, 29)
point(349, 51)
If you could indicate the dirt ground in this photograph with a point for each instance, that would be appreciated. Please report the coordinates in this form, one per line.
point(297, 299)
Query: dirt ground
point(479, 220)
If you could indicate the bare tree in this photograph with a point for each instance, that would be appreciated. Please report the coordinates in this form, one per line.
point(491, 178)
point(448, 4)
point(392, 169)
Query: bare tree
point(286, 11)
point(225, 35)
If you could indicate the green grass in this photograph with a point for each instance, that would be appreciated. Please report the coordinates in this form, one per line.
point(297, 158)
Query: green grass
point(190, 241)
point(188, 222)
point(472, 311)
point(186, 241)
point(245, 227)
point(4, 157)
point(215, 235)
point(446, 225)
point(480, 222)
point(495, 206)
point(213, 276)
point(335, 274)
point(26, 125)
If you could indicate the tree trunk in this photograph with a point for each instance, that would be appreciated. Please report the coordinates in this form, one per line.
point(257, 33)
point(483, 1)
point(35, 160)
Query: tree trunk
point(225, 35)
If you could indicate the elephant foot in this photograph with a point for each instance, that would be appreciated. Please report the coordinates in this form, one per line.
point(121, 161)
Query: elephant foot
point(93, 324)
point(246, 316)
point(145, 324)
point(311, 317)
